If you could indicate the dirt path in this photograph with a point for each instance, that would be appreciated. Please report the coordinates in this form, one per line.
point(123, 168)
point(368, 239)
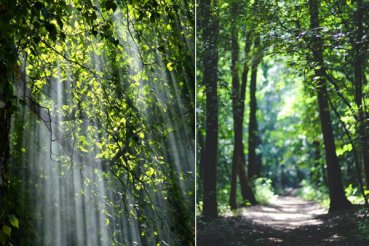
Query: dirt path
point(289, 221)
point(287, 212)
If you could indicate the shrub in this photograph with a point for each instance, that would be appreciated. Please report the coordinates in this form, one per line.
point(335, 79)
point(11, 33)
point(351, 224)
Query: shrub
point(264, 192)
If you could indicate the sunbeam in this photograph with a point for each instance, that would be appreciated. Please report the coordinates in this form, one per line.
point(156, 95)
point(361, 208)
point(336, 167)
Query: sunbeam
point(102, 136)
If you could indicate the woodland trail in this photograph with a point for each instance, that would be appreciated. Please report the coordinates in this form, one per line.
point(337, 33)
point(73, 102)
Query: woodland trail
point(287, 212)
point(289, 221)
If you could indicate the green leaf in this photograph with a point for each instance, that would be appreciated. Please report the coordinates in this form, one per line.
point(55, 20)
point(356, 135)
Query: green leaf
point(150, 172)
point(7, 230)
point(14, 221)
point(170, 66)
point(81, 148)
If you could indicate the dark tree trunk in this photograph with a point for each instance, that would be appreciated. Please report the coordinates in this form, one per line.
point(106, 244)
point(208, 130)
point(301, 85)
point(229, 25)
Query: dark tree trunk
point(254, 167)
point(359, 75)
point(338, 200)
point(5, 117)
point(238, 106)
point(210, 62)
point(7, 63)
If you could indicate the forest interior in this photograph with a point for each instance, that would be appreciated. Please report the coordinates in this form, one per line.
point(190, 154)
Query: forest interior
point(282, 122)
point(97, 122)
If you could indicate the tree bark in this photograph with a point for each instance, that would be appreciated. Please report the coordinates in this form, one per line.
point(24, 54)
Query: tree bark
point(7, 62)
point(5, 118)
point(254, 167)
point(238, 106)
point(246, 189)
point(359, 75)
point(338, 200)
point(210, 62)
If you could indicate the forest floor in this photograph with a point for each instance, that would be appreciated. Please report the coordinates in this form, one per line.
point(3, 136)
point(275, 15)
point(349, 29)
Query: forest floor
point(289, 221)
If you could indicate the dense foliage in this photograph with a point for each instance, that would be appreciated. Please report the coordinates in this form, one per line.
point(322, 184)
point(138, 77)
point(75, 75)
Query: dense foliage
point(104, 87)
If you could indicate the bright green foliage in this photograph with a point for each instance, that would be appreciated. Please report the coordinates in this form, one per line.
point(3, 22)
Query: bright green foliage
point(354, 194)
point(125, 74)
point(264, 192)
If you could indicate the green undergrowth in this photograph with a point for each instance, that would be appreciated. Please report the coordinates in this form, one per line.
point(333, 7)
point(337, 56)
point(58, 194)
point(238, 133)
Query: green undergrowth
point(264, 192)
point(320, 194)
point(311, 192)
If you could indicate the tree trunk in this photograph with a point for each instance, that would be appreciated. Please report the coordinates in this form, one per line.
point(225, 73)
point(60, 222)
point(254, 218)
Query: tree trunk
point(338, 200)
point(5, 117)
point(210, 62)
point(254, 167)
point(7, 62)
point(359, 74)
point(246, 189)
point(238, 106)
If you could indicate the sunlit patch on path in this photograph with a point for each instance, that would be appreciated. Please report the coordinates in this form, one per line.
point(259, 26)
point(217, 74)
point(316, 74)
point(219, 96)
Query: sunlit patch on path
point(287, 212)
point(289, 221)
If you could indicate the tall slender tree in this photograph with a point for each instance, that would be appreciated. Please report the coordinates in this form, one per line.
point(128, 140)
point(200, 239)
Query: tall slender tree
point(210, 32)
point(338, 200)
point(254, 166)
point(238, 107)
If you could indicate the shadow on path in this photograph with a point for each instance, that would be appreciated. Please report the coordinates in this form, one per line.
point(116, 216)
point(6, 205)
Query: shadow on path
point(290, 221)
